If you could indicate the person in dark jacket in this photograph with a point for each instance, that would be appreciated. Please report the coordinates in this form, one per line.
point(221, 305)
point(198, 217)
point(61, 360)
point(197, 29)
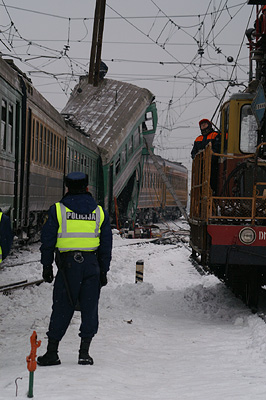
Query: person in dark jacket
point(207, 135)
point(79, 232)
point(6, 236)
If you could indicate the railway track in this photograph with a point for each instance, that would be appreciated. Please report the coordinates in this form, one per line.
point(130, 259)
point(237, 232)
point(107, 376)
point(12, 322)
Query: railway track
point(9, 288)
point(7, 265)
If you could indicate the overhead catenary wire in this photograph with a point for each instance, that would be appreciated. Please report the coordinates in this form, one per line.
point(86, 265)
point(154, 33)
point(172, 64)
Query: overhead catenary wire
point(197, 74)
point(226, 89)
point(113, 17)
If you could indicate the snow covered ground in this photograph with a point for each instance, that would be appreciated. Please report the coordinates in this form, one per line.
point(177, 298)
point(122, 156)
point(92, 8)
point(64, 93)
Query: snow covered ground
point(177, 335)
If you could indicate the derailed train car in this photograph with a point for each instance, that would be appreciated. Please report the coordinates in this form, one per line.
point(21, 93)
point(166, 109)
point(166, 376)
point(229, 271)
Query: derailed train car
point(117, 117)
point(155, 201)
point(39, 146)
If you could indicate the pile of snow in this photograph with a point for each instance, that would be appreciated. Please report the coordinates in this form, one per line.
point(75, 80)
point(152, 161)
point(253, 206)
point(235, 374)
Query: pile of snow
point(176, 335)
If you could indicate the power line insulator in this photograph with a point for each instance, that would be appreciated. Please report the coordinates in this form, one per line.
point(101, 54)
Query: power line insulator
point(201, 51)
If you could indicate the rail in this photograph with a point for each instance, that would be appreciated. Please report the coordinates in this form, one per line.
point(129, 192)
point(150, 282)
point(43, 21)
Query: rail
point(6, 289)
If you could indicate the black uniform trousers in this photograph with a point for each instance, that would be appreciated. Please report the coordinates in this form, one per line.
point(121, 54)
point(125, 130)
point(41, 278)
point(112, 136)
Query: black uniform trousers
point(82, 273)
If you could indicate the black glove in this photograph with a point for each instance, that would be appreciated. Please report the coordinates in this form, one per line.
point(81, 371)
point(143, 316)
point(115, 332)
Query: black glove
point(103, 278)
point(47, 273)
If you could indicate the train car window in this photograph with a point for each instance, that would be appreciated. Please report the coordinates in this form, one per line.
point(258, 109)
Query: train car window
point(59, 153)
point(10, 128)
point(75, 161)
point(248, 130)
point(3, 124)
point(93, 164)
point(40, 143)
point(33, 139)
point(85, 165)
point(47, 147)
point(224, 126)
point(71, 160)
point(130, 146)
point(81, 163)
point(50, 161)
point(68, 159)
point(63, 151)
point(136, 138)
point(117, 165)
point(90, 166)
point(44, 145)
point(148, 124)
point(36, 141)
point(124, 156)
point(54, 141)
point(54, 151)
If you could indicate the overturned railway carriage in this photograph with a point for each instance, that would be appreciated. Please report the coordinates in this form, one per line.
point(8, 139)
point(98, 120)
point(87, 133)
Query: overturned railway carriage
point(116, 116)
point(101, 136)
point(155, 200)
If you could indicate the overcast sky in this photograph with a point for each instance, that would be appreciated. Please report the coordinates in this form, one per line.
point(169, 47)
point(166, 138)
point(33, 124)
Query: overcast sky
point(178, 50)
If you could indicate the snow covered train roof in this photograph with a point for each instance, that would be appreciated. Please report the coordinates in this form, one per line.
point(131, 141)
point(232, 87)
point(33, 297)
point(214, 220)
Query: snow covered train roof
point(107, 113)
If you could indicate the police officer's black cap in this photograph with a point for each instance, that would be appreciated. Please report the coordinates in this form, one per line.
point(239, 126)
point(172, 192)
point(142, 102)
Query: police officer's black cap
point(76, 182)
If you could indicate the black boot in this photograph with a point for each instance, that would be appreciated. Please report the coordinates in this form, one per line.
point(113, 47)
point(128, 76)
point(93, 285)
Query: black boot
point(51, 356)
point(84, 357)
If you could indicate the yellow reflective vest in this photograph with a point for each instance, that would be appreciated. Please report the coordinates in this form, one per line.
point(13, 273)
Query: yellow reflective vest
point(78, 231)
point(1, 257)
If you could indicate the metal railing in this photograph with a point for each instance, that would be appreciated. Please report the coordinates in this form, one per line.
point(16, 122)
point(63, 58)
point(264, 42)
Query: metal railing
point(218, 209)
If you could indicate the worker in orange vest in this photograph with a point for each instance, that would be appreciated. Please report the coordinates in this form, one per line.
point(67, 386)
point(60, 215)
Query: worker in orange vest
point(207, 135)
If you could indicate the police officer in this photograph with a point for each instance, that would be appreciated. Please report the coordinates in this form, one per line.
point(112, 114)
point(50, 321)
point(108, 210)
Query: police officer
point(207, 135)
point(6, 236)
point(79, 231)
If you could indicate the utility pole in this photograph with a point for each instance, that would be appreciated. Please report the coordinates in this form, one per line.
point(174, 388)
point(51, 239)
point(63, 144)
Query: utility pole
point(96, 46)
